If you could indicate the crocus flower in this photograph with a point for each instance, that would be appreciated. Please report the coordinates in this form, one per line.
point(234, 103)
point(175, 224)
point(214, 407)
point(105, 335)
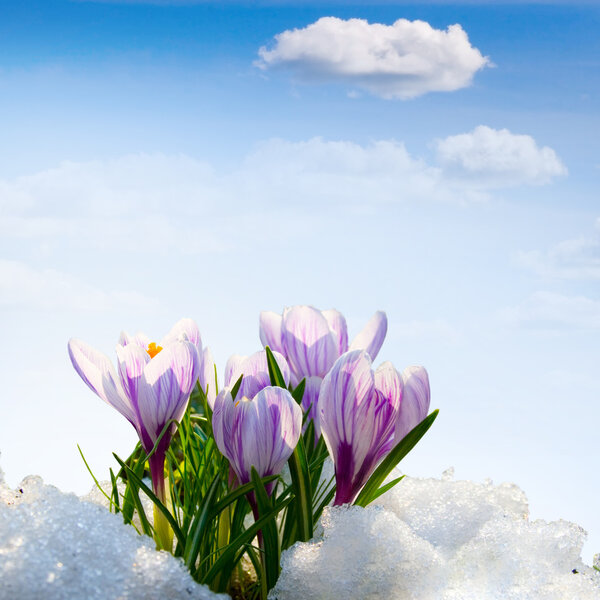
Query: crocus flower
point(358, 411)
point(312, 340)
point(152, 388)
point(255, 370)
point(259, 432)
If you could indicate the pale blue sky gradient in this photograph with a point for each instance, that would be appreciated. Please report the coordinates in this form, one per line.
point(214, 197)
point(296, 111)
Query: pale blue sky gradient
point(149, 171)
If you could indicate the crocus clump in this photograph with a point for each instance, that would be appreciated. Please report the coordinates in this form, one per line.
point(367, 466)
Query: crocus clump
point(364, 413)
point(312, 340)
point(151, 390)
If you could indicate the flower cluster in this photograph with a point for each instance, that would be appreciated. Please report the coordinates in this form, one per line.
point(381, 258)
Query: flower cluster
point(308, 372)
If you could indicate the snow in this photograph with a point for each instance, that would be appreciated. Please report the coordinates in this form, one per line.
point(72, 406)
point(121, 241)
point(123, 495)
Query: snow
point(426, 539)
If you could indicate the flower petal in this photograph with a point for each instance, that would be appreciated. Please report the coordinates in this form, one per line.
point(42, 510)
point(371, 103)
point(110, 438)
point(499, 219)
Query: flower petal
point(415, 401)
point(337, 324)
point(389, 382)
point(132, 361)
point(98, 373)
point(270, 330)
point(308, 343)
point(184, 329)
point(372, 336)
point(140, 339)
point(310, 401)
point(233, 369)
point(207, 377)
point(166, 385)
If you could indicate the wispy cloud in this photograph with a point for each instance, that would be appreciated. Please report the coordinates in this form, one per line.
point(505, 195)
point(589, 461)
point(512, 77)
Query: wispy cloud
point(403, 60)
point(25, 287)
point(551, 311)
point(575, 259)
point(498, 158)
point(181, 205)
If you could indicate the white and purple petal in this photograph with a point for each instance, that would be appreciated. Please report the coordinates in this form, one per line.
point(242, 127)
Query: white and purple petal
point(270, 330)
point(415, 401)
point(308, 342)
point(98, 373)
point(208, 377)
point(372, 335)
point(166, 385)
point(184, 329)
point(337, 324)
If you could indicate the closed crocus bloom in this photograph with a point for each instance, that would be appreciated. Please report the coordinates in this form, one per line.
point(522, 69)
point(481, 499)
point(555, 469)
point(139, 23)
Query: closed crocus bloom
point(255, 370)
point(259, 432)
point(151, 389)
point(415, 401)
point(312, 340)
point(358, 411)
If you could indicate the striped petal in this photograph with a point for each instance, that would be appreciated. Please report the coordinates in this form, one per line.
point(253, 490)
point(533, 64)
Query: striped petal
point(308, 342)
point(184, 329)
point(233, 369)
point(98, 373)
point(372, 336)
point(270, 330)
point(415, 401)
point(207, 377)
point(358, 411)
point(337, 324)
point(166, 385)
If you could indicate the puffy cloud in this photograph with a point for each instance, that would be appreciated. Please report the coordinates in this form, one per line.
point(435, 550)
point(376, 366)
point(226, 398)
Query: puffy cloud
point(549, 310)
point(498, 158)
point(24, 287)
point(403, 60)
point(570, 259)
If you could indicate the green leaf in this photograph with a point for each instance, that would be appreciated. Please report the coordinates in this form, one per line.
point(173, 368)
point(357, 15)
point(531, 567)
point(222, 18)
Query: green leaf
point(228, 554)
point(298, 391)
point(199, 525)
point(271, 550)
point(274, 371)
point(302, 494)
point(388, 486)
point(369, 491)
point(235, 494)
point(236, 388)
point(131, 476)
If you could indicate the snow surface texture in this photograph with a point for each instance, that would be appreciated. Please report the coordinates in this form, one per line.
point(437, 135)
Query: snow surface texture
point(431, 539)
point(56, 546)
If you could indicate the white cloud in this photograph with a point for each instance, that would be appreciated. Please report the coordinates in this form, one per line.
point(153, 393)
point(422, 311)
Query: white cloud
point(24, 287)
point(498, 158)
point(403, 60)
point(436, 331)
point(570, 259)
point(180, 205)
point(549, 310)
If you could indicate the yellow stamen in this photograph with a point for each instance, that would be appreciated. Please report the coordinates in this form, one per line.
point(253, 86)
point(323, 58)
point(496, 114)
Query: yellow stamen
point(153, 349)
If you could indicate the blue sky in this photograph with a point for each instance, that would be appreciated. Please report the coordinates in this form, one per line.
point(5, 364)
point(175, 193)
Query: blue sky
point(150, 170)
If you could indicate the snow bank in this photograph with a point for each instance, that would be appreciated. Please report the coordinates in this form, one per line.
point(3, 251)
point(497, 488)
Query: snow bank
point(432, 539)
point(56, 546)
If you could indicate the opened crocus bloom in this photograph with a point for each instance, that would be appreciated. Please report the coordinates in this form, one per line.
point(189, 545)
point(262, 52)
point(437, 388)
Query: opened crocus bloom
point(152, 388)
point(312, 340)
point(259, 432)
point(358, 411)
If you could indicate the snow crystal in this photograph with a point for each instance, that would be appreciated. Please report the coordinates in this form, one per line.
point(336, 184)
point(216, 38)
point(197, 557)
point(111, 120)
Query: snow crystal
point(55, 546)
point(431, 539)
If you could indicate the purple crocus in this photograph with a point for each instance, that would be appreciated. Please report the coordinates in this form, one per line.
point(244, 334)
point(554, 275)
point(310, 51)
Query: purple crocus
point(255, 370)
point(312, 340)
point(358, 411)
point(152, 389)
point(259, 432)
